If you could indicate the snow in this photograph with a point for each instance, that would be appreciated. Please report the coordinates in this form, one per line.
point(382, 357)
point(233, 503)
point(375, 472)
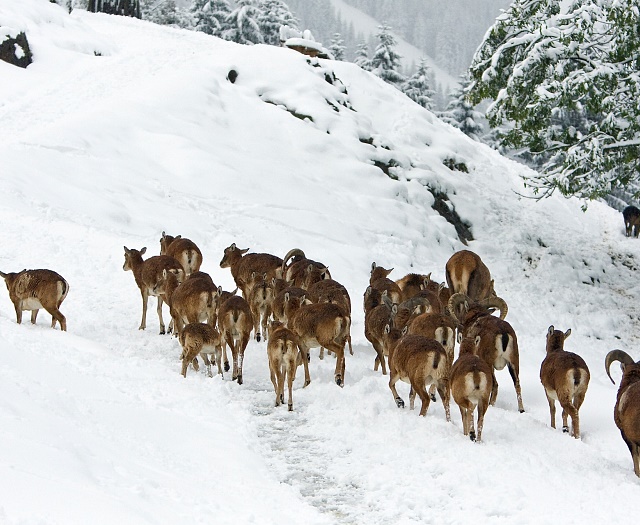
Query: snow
point(121, 129)
point(410, 54)
point(304, 42)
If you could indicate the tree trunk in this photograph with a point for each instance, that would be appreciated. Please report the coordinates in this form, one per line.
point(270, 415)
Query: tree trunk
point(116, 7)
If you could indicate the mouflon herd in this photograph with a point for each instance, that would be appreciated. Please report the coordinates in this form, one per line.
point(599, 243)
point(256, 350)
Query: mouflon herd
point(294, 304)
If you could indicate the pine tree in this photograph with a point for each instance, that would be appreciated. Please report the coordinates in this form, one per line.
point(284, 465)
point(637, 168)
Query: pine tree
point(166, 12)
point(566, 75)
point(362, 57)
point(337, 47)
point(243, 24)
point(461, 114)
point(385, 61)
point(210, 16)
point(418, 86)
point(272, 15)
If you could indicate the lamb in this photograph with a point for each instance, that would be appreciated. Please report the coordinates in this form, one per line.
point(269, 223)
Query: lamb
point(380, 281)
point(439, 327)
point(321, 325)
point(278, 306)
point(436, 326)
point(185, 251)
point(471, 385)
point(419, 361)
point(192, 301)
point(284, 358)
point(260, 300)
point(565, 378)
point(329, 291)
point(200, 339)
point(236, 322)
point(375, 321)
point(35, 289)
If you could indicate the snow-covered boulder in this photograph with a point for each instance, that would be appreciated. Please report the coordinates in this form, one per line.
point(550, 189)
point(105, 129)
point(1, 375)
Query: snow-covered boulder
point(14, 47)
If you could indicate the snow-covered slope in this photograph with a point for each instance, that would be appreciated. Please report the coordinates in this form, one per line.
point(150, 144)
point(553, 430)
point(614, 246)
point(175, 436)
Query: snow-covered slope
point(411, 55)
point(121, 129)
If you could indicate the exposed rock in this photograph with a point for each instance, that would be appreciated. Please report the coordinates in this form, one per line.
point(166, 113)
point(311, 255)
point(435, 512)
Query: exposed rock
point(444, 207)
point(14, 48)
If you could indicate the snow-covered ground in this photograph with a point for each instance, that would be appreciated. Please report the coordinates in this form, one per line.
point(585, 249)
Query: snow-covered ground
point(121, 129)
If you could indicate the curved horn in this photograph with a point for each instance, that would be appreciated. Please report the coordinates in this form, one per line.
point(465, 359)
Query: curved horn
point(454, 301)
point(294, 252)
point(617, 355)
point(495, 302)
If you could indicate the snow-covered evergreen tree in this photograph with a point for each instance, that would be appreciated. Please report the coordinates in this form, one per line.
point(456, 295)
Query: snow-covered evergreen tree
point(210, 16)
point(386, 62)
point(567, 75)
point(167, 12)
point(272, 15)
point(243, 23)
point(362, 57)
point(418, 86)
point(460, 112)
point(337, 47)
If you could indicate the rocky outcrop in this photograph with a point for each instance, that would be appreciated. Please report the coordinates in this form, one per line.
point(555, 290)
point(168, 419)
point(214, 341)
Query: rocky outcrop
point(14, 47)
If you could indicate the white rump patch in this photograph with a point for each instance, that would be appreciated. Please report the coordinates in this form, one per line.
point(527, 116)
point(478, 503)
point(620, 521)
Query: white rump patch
point(31, 303)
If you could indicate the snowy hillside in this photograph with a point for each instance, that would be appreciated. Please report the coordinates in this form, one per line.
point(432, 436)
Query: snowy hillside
point(411, 55)
point(121, 129)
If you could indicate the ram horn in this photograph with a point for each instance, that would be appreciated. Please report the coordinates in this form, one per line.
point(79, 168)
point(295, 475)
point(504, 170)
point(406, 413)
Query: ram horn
point(495, 302)
point(455, 301)
point(617, 355)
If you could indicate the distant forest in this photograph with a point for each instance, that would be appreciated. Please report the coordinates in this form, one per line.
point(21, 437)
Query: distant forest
point(449, 32)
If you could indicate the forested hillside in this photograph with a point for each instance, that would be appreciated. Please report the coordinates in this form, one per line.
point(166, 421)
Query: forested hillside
point(449, 32)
